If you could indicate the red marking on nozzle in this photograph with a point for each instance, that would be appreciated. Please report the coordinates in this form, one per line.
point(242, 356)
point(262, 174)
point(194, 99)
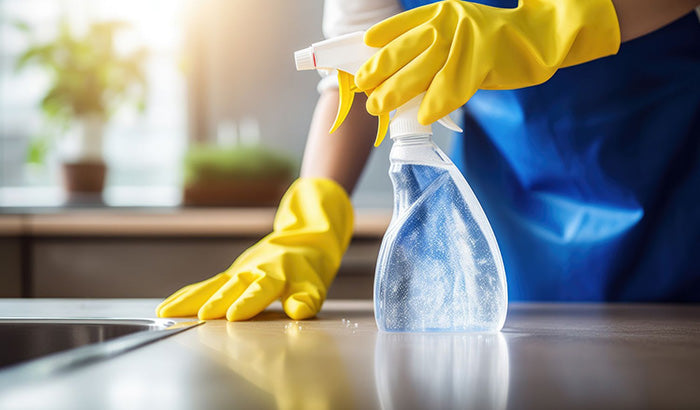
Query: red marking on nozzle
point(314, 57)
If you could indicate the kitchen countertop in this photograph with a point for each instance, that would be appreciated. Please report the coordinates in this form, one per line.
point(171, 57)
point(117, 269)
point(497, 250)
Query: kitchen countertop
point(210, 222)
point(547, 356)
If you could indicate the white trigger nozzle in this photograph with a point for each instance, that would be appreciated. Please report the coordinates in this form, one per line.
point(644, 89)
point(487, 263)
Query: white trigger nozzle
point(447, 122)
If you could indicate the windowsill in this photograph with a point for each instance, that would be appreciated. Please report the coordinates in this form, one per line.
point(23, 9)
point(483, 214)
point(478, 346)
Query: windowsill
point(19, 198)
point(209, 222)
point(24, 200)
point(143, 211)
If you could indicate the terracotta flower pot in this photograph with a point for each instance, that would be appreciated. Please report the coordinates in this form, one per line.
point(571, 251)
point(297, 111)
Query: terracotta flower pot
point(84, 177)
point(83, 168)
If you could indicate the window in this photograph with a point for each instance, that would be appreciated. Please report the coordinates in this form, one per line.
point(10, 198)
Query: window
point(143, 151)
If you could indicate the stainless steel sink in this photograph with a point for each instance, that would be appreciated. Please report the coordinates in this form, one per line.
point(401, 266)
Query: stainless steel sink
point(34, 347)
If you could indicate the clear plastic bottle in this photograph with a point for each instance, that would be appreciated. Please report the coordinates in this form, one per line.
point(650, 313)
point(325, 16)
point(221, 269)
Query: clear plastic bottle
point(439, 267)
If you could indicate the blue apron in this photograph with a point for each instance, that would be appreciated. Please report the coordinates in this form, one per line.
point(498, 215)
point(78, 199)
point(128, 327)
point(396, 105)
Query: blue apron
point(591, 181)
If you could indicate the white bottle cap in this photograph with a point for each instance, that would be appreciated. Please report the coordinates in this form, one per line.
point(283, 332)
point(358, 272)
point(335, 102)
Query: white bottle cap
point(405, 122)
point(304, 59)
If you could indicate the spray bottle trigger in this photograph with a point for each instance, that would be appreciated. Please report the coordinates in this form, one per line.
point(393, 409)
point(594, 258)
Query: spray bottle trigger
point(346, 95)
point(382, 128)
point(447, 122)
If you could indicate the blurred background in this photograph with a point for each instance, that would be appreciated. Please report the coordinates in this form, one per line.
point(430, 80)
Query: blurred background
point(144, 144)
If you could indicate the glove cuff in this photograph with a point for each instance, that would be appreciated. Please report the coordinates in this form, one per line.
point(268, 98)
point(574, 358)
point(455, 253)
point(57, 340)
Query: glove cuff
point(597, 30)
point(318, 205)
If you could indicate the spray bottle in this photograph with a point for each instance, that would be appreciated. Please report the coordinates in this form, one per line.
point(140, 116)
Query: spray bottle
point(439, 267)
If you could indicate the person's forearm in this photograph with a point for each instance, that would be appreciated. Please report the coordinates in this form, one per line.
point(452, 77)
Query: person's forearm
point(340, 156)
point(640, 17)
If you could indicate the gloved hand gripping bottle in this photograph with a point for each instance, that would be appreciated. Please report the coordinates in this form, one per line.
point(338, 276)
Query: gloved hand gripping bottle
point(439, 266)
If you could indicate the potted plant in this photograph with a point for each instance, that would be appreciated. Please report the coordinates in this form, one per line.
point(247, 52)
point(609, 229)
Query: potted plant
point(89, 81)
point(244, 175)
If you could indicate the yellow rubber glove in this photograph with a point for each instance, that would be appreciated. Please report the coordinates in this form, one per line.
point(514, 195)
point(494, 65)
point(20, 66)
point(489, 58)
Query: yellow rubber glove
point(296, 262)
point(452, 48)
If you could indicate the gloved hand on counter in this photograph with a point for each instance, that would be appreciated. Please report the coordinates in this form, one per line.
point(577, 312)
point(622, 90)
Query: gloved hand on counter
point(296, 262)
point(450, 49)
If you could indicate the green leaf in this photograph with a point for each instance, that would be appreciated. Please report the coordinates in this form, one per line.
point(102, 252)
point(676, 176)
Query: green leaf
point(41, 54)
point(21, 26)
point(36, 150)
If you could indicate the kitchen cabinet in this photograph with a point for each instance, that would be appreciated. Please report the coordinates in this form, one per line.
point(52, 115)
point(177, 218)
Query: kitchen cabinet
point(151, 254)
point(156, 267)
point(12, 243)
point(10, 267)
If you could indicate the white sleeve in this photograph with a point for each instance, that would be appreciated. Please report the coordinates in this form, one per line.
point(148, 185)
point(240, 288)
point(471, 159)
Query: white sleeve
point(347, 16)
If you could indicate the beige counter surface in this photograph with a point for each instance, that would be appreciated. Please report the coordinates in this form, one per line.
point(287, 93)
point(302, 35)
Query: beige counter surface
point(166, 222)
point(548, 356)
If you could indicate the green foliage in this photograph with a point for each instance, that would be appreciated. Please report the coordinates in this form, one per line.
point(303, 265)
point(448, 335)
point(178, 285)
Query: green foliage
point(88, 75)
point(37, 150)
point(206, 162)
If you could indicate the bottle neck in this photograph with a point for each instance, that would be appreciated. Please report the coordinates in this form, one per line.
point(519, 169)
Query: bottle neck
point(417, 139)
point(416, 149)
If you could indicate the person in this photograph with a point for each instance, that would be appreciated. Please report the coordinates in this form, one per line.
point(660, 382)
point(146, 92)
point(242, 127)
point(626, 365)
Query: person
point(581, 140)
